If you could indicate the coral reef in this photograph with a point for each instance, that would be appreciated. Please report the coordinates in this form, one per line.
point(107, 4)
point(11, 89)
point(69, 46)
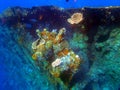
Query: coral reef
point(64, 61)
point(108, 61)
point(78, 42)
point(37, 54)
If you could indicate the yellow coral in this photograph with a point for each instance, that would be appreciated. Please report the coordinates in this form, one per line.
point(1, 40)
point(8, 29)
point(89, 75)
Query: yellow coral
point(41, 48)
point(34, 57)
point(48, 44)
point(65, 59)
point(59, 37)
point(55, 74)
point(63, 52)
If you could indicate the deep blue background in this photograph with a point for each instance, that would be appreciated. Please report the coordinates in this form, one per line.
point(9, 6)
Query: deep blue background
point(62, 3)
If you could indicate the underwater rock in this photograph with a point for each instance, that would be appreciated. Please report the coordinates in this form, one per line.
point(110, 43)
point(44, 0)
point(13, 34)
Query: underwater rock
point(83, 55)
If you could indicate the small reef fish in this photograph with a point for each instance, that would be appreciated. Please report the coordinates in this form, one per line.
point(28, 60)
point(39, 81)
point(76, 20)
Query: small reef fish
point(67, 0)
point(33, 20)
point(73, 0)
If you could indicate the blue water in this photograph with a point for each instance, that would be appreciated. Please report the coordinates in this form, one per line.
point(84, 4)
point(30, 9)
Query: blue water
point(61, 3)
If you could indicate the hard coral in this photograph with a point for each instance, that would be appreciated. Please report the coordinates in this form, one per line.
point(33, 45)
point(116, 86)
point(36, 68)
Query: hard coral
point(57, 62)
point(51, 44)
point(75, 18)
point(66, 61)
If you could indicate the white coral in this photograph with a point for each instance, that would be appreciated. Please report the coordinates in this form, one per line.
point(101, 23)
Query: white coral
point(75, 18)
point(56, 63)
point(34, 44)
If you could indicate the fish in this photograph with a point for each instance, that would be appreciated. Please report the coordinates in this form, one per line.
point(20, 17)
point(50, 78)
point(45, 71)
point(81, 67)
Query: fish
point(73, 0)
point(27, 25)
point(33, 20)
point(67, 0)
